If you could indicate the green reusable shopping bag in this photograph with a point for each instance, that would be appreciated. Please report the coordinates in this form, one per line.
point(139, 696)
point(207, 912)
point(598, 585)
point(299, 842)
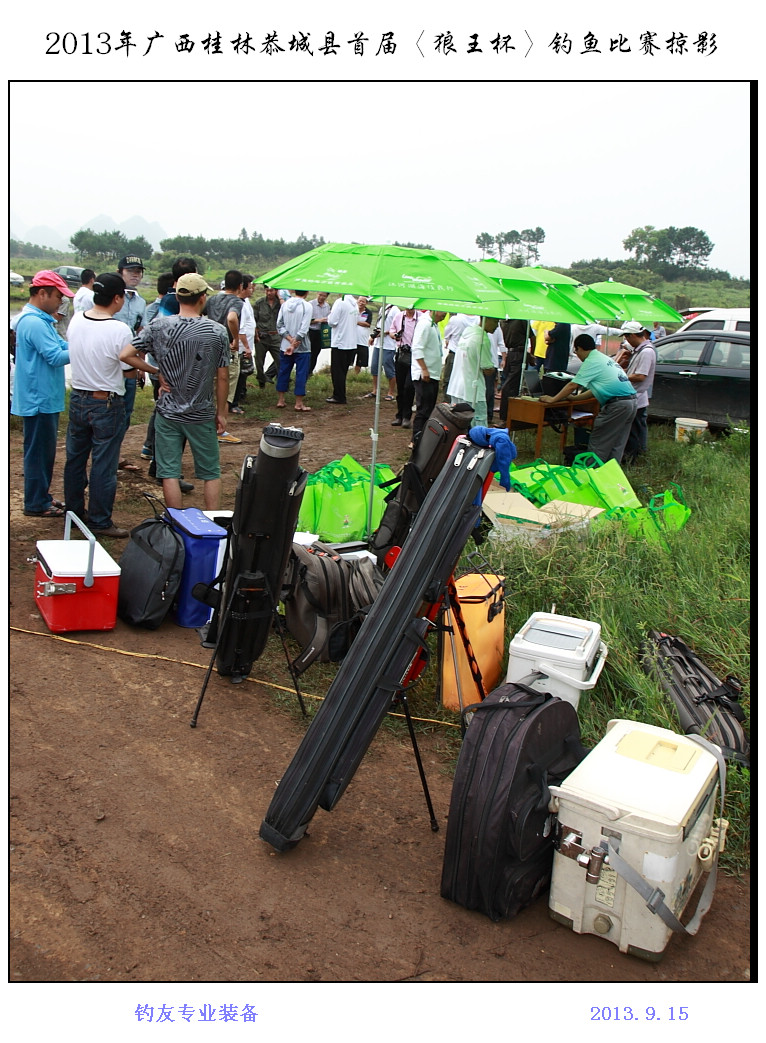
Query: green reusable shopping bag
point(609, 480)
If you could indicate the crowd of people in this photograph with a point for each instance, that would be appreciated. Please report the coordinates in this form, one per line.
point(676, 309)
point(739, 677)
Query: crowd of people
point(198, 346)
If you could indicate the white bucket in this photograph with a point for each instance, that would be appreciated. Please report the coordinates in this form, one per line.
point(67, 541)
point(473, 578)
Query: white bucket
point(686, 426)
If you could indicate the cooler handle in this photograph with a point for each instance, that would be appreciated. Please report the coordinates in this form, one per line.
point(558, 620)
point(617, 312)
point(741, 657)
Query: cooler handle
point(72, 517)
point(583, 686)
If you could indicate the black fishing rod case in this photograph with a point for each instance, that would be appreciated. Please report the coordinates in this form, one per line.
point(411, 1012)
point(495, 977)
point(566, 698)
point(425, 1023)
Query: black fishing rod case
point(443, 426)
point(390, 638)
point(268, 499)
point(705, 705)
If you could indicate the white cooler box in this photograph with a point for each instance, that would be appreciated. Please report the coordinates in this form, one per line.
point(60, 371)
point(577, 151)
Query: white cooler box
point(569, 653)
point(76, 583)
point(651, 794)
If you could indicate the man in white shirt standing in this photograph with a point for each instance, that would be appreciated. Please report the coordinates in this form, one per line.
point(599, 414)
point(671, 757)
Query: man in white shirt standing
point(83, 299)
point(342, 320)
point(97, 405)
point(426, 368)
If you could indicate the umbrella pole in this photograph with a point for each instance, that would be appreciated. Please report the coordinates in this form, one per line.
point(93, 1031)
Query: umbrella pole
point(376, 420)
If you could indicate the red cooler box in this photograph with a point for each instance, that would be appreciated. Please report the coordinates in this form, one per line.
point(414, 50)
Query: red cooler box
point(76, 582)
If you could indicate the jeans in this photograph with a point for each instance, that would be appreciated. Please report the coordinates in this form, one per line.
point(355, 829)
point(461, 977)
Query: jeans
point(40, 432)
point(129, 398)
point(96, 428)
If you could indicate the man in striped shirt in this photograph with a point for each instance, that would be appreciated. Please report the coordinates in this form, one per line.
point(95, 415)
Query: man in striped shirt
point(192, 354)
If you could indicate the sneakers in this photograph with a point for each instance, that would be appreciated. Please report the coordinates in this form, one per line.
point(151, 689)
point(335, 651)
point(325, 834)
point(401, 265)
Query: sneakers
point(335, 401)
point(227, 439)
point(406, 423)
point(147, 453)
point(113, 532)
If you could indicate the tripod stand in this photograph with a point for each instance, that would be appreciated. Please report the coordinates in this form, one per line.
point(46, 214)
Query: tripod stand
point(255, 601)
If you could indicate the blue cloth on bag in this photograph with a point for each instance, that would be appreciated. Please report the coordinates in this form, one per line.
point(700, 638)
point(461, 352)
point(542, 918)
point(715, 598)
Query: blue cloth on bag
point(505, 451)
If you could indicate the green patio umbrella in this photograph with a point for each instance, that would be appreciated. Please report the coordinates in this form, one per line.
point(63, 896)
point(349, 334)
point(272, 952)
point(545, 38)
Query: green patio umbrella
point(437, 279)
point(540, 297)
point(632, 302)
point(385, 271)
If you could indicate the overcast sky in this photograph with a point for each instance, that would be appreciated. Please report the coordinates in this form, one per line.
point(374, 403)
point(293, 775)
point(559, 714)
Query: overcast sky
point(436, 163)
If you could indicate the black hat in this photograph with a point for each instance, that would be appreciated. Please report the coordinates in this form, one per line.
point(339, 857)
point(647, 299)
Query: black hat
point(131, 261)
point(110, 284)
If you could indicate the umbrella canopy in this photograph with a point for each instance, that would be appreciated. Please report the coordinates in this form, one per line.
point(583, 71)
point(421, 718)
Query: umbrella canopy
point(393, 272)
point(538, 297)
point(632, 302)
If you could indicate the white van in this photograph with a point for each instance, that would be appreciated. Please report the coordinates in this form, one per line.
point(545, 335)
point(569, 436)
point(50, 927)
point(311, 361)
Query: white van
point(719, 319)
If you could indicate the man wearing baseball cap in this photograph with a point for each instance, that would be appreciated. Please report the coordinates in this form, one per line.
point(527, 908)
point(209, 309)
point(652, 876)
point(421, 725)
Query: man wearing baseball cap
point(193, 356)
point(638, 360)
point(131, 270)
point(38, 389)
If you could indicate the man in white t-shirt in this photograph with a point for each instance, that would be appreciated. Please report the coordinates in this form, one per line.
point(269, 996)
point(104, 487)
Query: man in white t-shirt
point(342, 320)
point(83, 299)
point(96, 405)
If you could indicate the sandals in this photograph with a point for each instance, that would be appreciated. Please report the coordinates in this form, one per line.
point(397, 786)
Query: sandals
point(49, 512)
point(123, 465)
point(390, 398)
point(303, 409)
point(370, 394)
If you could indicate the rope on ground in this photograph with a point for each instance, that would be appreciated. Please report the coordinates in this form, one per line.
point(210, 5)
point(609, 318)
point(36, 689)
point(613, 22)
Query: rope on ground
point(200, 666)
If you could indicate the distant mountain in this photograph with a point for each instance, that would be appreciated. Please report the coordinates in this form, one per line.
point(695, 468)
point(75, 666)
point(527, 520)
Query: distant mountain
point(58, 238)
point(153, 232)
point(42, 235)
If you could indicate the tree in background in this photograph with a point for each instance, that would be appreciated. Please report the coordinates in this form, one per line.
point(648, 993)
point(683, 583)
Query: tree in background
point(108, 247)
point(532, 238)
point(485, 243)
point(686, 247)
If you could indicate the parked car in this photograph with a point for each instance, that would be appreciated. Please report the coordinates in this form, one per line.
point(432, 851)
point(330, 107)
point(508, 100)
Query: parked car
point(737, 319)
point(703, 375)
point(16, 279)
point(70, 275)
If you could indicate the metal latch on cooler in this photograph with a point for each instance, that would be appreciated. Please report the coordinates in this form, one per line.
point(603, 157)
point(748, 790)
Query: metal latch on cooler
point(48, 588)
point(570, 845)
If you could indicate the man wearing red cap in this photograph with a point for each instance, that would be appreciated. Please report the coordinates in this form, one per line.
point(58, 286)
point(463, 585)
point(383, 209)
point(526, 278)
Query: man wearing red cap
point(38, 389)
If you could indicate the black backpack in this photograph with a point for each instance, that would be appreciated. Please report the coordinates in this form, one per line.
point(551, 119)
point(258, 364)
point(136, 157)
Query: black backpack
point(498, 855)
point(150, 570)
point(326, 598)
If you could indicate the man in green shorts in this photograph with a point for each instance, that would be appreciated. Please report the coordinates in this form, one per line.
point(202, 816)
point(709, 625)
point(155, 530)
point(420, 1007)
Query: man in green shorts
point(192, 354)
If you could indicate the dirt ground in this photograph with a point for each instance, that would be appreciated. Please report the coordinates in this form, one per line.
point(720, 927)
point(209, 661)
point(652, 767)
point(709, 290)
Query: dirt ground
point(135, 854)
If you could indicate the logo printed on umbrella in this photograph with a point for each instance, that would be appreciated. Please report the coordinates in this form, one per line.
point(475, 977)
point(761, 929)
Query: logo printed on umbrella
point(417, 278)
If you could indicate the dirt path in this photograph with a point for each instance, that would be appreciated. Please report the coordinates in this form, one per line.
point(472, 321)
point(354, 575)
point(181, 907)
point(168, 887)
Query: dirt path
point(135, 854)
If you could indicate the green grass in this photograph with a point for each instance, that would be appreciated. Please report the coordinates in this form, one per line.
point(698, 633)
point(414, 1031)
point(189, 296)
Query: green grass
point(697, 587)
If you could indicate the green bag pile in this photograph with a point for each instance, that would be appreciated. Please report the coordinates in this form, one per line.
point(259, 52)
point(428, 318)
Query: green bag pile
point(335, 504)
point(595, 484)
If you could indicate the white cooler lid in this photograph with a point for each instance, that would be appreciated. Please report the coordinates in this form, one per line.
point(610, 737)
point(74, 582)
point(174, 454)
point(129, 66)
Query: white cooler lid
point(70, 558)
point(643, 769)
point(545, 633)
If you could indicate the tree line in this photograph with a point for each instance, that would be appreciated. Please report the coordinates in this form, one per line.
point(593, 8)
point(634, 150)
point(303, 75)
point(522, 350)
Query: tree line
point(523, 247)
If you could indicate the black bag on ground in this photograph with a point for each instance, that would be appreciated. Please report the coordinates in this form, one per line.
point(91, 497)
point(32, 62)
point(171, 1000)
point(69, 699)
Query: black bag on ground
point(326, 598)
point(705, 705)
point(443, 426)
point(498, 855)
point(150, 570)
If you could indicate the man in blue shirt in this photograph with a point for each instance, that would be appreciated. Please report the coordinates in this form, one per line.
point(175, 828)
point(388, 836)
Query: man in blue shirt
point(39, 390)
point(608, 383)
